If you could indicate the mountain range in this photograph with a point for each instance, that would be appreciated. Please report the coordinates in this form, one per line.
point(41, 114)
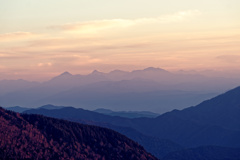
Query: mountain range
point(214, 122)
point(151, 89)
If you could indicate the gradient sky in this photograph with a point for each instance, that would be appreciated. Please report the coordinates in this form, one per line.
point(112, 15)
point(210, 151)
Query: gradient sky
point(42, 38)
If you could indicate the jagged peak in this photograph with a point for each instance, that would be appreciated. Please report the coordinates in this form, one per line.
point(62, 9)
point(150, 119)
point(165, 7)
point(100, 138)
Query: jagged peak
point(66, 73)
point(96, 72)
point(63, 75)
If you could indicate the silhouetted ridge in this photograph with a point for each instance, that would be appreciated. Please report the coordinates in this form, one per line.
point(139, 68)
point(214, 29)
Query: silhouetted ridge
point(50, 106)
point(17, 109)
point(25, 136)
point(127, 114)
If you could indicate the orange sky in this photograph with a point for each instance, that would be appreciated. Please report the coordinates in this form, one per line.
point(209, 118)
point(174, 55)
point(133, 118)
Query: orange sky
point(41, 39)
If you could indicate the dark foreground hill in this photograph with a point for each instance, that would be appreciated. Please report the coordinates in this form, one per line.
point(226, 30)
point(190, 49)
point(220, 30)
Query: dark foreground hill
point(37, 137)
point(157, 147)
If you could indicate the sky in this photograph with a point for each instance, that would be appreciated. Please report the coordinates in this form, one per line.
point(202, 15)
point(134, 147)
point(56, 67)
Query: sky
point(43, 38)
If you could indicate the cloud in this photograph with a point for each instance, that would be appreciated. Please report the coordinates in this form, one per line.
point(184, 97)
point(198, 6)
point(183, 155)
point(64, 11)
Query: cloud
point(229, 58)
point(15, 36)
point(91, 26)
point(11, 56)
point(2, 67)
point(49, 64)
point(98, 25)
point(179, 16)
point(74, 59)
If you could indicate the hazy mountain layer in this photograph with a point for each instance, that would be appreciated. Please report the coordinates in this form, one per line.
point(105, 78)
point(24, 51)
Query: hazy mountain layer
point(151, 89)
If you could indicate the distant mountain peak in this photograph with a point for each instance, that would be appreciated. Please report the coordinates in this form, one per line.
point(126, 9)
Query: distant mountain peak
point(96, 72)
point(66, 74)
point(50, 106)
